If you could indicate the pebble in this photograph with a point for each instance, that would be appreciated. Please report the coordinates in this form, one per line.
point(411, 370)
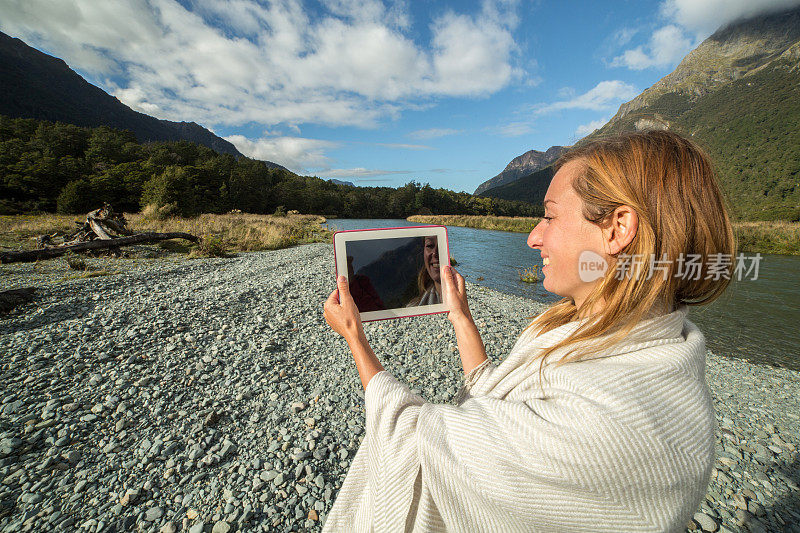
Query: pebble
point(221, 527)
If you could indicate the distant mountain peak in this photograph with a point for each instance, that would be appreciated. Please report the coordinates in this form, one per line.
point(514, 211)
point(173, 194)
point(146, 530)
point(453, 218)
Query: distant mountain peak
point(522, 165)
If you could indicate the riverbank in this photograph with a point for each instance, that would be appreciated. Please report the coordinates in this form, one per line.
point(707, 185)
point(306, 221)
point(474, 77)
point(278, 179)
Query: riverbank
point(767, 237)
point(174, 393)
point(219, 234)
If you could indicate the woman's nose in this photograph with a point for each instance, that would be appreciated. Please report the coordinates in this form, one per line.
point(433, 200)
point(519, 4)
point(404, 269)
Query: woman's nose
point(535, 237)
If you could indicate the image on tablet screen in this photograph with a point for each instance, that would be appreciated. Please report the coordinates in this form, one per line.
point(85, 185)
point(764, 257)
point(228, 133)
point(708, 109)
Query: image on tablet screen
point(394, 273)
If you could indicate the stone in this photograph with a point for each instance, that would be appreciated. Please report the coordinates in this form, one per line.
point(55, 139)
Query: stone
point(168, 527)
point(153, 514)
point(221, 527)
point(72, 457)
point(130, 497)
point(755, 508)
point(739, 501)
point(197, 527)
point(705, 522)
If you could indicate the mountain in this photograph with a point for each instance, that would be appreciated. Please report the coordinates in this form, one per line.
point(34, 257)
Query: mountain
point(520, 166)
point(530, 188)
point(36, 85)
point(340, 182)
point(738, 96)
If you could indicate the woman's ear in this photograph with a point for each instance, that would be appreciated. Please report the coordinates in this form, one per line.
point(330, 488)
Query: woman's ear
point(620, 229)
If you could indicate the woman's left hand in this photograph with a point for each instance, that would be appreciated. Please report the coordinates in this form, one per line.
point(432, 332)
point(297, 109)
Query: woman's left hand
point(341, 313)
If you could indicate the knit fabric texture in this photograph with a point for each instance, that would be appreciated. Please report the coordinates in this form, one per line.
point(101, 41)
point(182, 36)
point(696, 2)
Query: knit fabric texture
point(621, 441)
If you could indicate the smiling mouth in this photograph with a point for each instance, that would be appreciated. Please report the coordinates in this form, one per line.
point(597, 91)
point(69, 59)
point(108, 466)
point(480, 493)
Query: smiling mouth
point(434, 265)
point(545, 261)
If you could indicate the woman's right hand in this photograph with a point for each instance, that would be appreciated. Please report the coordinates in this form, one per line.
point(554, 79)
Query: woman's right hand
point(455, 295)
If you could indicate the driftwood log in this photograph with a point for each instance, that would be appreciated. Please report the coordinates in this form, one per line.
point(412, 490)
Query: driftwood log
point(102, 229)
point(55, 251)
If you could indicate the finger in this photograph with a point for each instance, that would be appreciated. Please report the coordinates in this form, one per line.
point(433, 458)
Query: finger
point(461, 284)
point(333, 298)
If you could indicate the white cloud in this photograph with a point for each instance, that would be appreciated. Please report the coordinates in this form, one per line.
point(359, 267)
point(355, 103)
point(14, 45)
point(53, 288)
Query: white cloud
point(667, 46)
point(586, 129)
point(601, 97)
point(433, 133)
point(360, 172)
point(402, 146)
point(688, 23)
point(703, 17)
point(513, 129)
point(295, 153)
point(221, 62)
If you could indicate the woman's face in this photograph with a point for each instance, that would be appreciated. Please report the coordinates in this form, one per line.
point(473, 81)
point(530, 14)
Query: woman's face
point(431, 255)
point(563, 234)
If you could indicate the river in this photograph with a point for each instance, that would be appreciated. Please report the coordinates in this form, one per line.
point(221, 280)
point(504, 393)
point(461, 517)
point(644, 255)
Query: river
point(755, 319)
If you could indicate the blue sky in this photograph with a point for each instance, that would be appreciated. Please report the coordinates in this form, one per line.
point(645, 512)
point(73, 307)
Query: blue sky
point(377, 93)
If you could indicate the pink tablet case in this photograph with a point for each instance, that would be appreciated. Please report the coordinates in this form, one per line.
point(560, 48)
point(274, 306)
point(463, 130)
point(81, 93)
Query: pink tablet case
point(401, 227)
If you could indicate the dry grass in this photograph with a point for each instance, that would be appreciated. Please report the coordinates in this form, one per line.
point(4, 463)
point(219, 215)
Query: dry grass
point(90, 274)
point(515, 224)
point(234, 232)
point(21, 231)
point(771, 237)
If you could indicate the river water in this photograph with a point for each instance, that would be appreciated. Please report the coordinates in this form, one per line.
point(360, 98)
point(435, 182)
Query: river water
point(755, 319)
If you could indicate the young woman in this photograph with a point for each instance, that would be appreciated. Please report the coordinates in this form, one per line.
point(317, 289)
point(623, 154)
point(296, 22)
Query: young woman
point(429, 281)
point(600, 417)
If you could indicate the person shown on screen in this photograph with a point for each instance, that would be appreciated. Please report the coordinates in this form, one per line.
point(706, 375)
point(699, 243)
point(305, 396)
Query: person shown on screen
point(429, 281)
point(600, 417)
point(362, 290)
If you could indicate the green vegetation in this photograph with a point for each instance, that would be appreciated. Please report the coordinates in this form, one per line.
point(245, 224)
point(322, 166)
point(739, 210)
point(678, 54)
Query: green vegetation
point(529, 275)
point(530, 188)
point(47, 167)
point(749, 127)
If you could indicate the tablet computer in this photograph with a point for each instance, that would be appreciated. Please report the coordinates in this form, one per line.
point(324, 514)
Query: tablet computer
point(393, 272)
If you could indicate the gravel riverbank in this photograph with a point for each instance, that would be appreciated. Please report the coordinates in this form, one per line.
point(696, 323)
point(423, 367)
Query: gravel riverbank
point(209, 395)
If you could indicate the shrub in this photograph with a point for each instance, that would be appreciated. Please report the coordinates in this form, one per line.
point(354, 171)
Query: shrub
point(154, 212)
point(210, 246)
point(76, 197)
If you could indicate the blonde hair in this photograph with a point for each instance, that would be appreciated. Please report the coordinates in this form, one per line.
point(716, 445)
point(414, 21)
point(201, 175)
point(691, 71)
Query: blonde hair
point(424, 280)
point(671, 185)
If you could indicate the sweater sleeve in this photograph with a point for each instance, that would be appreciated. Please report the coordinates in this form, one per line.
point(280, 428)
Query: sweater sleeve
point(392, 413)
point(477, 375)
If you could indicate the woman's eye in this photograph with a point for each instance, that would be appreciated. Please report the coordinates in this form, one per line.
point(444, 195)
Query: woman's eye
point(548, 218)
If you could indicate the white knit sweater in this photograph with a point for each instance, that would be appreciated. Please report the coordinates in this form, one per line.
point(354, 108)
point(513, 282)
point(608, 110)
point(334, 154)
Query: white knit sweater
point(623, 441)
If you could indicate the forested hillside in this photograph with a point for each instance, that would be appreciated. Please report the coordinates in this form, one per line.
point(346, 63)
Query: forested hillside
point(47, 167)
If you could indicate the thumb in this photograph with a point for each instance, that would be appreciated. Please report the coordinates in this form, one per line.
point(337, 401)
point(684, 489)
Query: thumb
point(447, 277)
point(341, 283)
